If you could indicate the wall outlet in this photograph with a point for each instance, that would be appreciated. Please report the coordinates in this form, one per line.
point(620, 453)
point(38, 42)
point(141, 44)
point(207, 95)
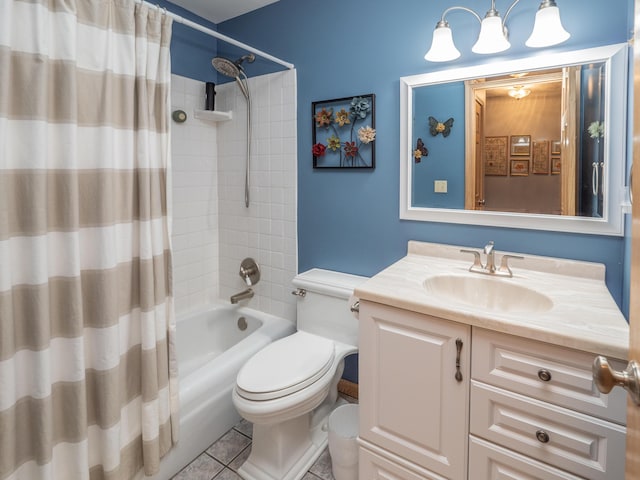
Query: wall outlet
point(440, 186)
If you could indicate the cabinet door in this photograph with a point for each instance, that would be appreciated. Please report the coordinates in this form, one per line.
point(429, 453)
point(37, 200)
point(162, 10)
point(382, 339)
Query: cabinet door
point(411, 402)
point(376, 467)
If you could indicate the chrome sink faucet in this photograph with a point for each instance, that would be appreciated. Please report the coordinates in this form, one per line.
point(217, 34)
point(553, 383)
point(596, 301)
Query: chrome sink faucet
point(491, 258)
point(489, 268)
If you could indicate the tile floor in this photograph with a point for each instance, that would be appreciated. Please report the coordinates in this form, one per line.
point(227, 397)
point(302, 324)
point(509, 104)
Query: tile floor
point(221, 460)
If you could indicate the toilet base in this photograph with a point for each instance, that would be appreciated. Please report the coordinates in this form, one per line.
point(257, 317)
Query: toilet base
point(284, 451)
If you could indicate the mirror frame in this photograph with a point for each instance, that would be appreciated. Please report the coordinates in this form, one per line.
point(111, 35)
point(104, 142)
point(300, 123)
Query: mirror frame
point(615, 135)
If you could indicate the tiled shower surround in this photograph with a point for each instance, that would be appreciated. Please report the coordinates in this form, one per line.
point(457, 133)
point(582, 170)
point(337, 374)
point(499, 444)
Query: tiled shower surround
point(212, 229)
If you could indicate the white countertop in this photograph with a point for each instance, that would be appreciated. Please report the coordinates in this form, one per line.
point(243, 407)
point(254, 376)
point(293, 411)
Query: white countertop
point(584, 316)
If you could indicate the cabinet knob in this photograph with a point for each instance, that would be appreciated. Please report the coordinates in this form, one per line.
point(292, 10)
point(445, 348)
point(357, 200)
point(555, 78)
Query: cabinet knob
point(542, 436)
point(544, 375)
point(606, 377)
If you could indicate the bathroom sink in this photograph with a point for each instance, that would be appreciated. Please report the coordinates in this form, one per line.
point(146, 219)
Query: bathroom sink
point(487, 293)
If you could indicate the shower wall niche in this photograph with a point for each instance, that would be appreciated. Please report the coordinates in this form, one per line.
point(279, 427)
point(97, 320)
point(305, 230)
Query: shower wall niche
point(212, 229)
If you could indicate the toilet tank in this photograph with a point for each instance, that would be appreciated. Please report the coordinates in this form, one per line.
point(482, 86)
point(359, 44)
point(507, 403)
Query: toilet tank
point(325, 308)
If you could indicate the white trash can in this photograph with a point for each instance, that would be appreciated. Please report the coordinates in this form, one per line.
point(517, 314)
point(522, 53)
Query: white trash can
point(343, 443)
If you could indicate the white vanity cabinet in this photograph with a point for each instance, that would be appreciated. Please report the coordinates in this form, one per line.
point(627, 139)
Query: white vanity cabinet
point(524, 405)
point(414, 395)
point(519, 408)
point(534, 406)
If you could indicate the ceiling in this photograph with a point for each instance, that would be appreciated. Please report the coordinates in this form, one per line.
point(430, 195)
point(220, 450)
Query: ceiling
point(218, 11)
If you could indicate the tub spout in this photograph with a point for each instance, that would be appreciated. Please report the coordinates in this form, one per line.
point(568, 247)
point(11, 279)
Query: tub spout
point(248, 293)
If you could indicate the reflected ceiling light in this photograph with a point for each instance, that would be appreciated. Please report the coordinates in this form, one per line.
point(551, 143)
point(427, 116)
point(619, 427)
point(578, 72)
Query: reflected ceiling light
point(518, 92)
point(547, 31)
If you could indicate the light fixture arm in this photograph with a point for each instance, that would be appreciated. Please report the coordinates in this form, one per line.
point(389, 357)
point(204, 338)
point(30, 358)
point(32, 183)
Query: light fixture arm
point(491, 13)
point(506, 15)
point(443, 22)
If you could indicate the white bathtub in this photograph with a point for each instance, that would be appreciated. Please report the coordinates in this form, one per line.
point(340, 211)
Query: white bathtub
point(211, 350)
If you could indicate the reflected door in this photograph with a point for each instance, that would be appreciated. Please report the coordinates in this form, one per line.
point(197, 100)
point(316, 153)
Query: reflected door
point(479, 134)
point(590, 193)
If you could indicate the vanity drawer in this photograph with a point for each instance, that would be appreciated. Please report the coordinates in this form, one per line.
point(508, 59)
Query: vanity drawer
point(547, 372)
point(491, 462)
point(583, 445)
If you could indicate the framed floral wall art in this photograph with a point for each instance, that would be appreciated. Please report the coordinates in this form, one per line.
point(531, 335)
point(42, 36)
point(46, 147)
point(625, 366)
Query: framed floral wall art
point(344, 132)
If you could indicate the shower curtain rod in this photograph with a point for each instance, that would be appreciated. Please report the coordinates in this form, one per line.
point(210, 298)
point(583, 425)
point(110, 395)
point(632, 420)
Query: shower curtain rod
point(219, 36)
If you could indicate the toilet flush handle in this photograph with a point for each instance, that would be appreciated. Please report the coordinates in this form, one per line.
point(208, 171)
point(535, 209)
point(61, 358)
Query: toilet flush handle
point(299, 292)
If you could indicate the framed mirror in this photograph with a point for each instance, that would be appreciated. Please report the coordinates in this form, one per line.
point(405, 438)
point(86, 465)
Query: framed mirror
point(535, 143)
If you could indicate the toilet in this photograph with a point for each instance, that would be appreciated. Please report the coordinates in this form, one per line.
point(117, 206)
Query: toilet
point(289, 388)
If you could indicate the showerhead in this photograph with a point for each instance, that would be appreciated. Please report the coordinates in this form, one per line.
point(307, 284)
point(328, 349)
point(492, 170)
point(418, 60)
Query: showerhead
point(226, 67)
point(229, 68)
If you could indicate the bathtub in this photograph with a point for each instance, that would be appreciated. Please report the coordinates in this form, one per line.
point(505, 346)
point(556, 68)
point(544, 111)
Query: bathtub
point(211, 347)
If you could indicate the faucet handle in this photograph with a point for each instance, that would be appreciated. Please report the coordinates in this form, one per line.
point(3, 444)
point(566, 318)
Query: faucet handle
point(249, 271)
point(477, 263)
point(488, 248)
point(504, 264)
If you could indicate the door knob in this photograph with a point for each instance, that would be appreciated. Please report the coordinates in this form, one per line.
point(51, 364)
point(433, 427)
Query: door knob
point(606, 378)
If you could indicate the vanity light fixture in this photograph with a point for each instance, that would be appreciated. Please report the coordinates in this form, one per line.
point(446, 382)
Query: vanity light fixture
point(518, 92)
point(547, 31)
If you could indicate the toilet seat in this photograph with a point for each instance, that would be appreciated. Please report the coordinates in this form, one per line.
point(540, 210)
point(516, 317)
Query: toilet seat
point(286, 366)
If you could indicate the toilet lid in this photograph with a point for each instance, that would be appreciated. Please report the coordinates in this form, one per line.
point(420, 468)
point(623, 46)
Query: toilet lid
point(285, 366)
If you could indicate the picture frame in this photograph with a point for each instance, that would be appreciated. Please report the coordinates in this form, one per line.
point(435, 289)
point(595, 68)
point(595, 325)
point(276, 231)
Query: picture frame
point(519, 167)
point(556, 165)
point(540, 163)
point(344, 132)
point(555, 147)
point(495, 156)
point(520, 145)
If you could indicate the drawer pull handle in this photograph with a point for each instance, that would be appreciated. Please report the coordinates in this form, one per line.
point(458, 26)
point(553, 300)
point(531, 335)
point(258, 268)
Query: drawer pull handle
point(458, 375)
point(544, 375)
point(542, 436)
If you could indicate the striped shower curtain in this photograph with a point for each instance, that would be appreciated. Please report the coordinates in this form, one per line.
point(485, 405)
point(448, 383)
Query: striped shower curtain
point(88, 377)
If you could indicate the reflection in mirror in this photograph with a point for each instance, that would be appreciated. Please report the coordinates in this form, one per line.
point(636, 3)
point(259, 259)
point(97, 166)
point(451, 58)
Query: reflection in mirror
point(534, 143)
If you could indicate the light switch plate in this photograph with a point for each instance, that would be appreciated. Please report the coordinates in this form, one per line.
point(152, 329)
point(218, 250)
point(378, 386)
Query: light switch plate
point(440, 186)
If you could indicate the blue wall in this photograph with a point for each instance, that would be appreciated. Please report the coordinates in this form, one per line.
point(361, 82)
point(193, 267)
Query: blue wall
point(191, 50)
point(445, 160)
point(348, 220)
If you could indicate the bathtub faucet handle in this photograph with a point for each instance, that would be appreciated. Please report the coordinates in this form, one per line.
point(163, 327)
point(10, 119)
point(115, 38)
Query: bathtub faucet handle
point(249, 271)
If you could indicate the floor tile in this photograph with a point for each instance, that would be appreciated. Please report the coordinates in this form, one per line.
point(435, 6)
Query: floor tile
point(245, 427)
point(322, 466)
point(310, 476)
point(202, 468)
point(240, 459)
point(228, 447)
point(227, 474)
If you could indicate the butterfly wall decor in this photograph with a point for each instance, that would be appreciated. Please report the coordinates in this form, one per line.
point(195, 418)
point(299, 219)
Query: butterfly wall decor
point(420, 151)
point(436, 127)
